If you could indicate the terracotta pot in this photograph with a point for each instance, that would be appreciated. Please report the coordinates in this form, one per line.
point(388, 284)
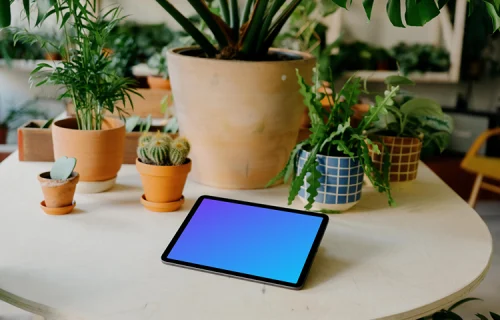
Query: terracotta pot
point(52, 56)
point(244, 119)
point(99, 153)
point(159, 83)
point(4, 132)
point(58, 193)
point(341, 182)
point(405, 157)
point(163, 184)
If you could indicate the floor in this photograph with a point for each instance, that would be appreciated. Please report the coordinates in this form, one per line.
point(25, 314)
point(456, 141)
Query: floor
point(489, 290)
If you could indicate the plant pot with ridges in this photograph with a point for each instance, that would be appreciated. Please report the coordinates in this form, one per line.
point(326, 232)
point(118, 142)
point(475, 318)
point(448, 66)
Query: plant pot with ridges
point(245, 117)
point(410, 125)
point(164, 166)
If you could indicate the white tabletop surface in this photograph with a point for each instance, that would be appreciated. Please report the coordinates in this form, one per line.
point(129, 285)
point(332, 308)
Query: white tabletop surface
point(103, 261)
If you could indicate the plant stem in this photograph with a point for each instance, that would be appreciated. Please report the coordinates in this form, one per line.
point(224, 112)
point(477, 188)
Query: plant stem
point(224, 8)
point(246, 11)
point(252, 34)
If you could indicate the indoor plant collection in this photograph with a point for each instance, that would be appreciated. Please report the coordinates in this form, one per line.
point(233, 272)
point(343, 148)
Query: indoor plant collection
point(164, 165)
point(410, 124)
point(330, 165)
point(58, 187)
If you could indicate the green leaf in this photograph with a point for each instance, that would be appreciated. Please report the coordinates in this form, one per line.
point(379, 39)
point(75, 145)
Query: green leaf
point(398, 81)
point(481, 317)
point(442, 3)
point(250, 40)
point(26, 6)
point(418, 13)
point(441, 123)
point(459, 303)
point(314, 184)
point(5, 13)
point(341, 3)
point(422, 107)
point(495, 19)
point(62, 168)
point(289, 169)
point(495, 316)
point(48, 124)
point(298, 181)
point(327, 7)
point(368, 5)
point(394, 13)
point(329, 211)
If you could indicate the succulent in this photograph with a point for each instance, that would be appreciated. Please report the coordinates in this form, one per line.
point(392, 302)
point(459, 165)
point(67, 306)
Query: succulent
point(160, 150)
point(63, 168)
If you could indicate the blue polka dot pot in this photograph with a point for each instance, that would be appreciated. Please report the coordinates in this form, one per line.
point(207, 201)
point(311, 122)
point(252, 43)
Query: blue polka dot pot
point(341, 182)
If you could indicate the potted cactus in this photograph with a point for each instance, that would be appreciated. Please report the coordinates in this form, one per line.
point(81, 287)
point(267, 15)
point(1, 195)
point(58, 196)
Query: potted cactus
point(409, 125)
point(164, 165)
point(58, 187)
point(331, 164)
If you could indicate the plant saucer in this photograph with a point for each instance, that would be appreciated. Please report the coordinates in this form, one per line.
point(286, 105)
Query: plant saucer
point(57, 211)
point(162, 207)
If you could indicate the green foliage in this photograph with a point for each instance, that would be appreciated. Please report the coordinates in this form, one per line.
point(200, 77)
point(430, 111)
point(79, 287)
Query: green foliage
point(10, 50)
point(86, 73)
point(158, 62)
point(414, 117)
point(25, 110)
point(449, 314)
point(159, 149)
point(135, 123)
point(420, 58)
point(333, 135)
point(63, 168)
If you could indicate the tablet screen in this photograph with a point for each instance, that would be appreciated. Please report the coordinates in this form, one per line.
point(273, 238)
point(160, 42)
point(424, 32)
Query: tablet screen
point(247, 239)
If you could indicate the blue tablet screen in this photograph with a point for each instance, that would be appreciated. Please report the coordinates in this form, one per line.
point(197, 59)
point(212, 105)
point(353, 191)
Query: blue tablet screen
point(256, 241)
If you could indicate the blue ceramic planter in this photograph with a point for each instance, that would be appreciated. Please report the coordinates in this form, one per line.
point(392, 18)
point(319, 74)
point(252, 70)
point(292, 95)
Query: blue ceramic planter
point(341, 182)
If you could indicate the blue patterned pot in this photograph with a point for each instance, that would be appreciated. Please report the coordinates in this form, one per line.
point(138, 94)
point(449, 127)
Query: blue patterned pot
point(341, 182)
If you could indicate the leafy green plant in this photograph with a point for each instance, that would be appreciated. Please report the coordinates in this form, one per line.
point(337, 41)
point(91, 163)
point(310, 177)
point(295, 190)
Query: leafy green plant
point(160, 150)
point(333, 135)
point(135, 123)
point(10, 50)
point(27, 109)
point(420, 58)
point(63, 168)
point(449, 314)
point(158, 62)
point(86, 72)
point(414, 117)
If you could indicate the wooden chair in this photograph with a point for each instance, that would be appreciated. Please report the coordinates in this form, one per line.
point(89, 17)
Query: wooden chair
point(488, 167)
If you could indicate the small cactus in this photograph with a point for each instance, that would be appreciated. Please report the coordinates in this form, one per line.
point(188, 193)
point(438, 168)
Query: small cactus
point(159, 149)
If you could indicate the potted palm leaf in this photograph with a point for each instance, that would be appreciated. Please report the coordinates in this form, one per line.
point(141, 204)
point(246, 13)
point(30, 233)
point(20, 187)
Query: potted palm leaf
point(409, 125)
point(94, 88)
point(330, 165)
point(245, 116)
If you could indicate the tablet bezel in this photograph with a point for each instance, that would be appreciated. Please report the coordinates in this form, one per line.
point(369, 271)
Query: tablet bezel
point(305, 270)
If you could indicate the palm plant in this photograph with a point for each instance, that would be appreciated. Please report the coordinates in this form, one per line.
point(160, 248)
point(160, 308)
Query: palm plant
point(86, 73)
point(250, 32)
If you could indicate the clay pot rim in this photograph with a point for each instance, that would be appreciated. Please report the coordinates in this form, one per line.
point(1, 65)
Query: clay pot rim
point(118, 124)
point(158, 77)
point(304, 56)
point(160, 171)
point(42, 178)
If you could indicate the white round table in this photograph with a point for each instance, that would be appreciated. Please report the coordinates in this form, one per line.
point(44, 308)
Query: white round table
point(103, 261)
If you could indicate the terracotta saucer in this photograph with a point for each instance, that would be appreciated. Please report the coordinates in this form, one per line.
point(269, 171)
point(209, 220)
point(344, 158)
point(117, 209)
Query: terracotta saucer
point(57, 211)
point(162, 207)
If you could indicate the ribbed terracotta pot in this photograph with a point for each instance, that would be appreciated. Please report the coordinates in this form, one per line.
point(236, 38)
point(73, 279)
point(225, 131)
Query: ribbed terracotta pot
point(163, 184)
point(58, 193)
point(243, 118)
point(99, 153)
point(158, 83)
point(405, 156)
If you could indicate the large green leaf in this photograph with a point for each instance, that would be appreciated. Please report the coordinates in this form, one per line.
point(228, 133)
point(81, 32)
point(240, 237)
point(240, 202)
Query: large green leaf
point(418, 13)
point(398, 81)
point(368, 5)
point(495, 19)
point(394, 13)
point(422, 107)
point(341, 3)
point(4, 13)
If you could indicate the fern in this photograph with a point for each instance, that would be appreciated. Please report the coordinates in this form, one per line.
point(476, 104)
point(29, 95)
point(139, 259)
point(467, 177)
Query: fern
point(314, 184)
point(299, 179)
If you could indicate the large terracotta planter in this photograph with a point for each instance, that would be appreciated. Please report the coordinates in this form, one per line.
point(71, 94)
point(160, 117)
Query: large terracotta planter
point(341, 182)
point(405, 156)
point(99, 152)
point(58, 194)
point(158, 83)
point(163, 185)
point(243, 118)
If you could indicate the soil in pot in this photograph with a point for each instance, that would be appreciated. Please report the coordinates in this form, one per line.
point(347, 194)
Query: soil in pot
point(341, 182)
point(404, 154)
point(245, 117)
point(58, 193)
point(163, 184)
point(155, 82)
point(99, 152)
point(3, 135)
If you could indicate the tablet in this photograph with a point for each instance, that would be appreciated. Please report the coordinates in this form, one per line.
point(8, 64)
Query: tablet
point(246, 240)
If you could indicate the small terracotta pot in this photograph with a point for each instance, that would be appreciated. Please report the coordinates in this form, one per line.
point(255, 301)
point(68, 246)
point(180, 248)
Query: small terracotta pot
point(58, 193)
point(3, 135)
point(163, 184)
point(99, 152)
point(159, 83)
point(405, 156)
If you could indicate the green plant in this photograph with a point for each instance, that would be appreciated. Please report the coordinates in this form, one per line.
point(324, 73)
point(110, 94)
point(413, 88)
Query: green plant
point(63, 168)
point(158, 62)
point(160, 150)
point(27, 109)
point(10, 50)
point(86, 72)
point(249, 33)
point(414, 117)
point(420, 58)
point(336, 137)
point(136, 123)
point(449, 314)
